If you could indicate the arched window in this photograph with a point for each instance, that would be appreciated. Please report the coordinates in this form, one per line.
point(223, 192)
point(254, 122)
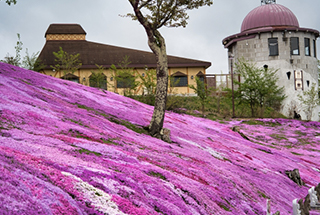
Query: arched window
point(201, 76)
point(98, 80)
point(71, 77)
point(179, 79)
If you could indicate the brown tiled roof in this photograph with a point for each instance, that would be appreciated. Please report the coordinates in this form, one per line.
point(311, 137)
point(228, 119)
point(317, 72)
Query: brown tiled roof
point(95, 53)
point(65, 29)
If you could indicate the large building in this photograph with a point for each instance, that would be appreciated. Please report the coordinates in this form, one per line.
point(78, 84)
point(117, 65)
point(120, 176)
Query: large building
point(72, 39)
point(272, 37)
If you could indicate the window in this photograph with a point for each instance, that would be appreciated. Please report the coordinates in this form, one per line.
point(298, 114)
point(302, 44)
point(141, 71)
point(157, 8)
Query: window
point(307, 46)
point(179, 81)
point(71, 77)
point(289, 75)
point(125, 82)
point(273, 46)
point(201, 76)
point(98, 80)
point(314, 48)
point(294, 44)
point(298, 79)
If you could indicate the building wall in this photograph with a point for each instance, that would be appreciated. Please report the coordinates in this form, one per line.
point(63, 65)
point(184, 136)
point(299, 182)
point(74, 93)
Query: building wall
point(257, 50)
point(84, 74)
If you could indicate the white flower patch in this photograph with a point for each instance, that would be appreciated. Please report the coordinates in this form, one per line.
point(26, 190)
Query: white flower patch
point(113, 185)
point(98, 170)
point(210, 150)
point(214, 153)
point(179, 192)
point(98, 198)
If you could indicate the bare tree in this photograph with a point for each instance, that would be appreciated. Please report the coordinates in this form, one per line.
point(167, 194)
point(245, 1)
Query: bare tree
point(152, 15)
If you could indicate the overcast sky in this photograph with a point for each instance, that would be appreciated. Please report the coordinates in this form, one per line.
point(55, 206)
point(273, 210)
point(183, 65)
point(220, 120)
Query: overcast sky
point(201, 39)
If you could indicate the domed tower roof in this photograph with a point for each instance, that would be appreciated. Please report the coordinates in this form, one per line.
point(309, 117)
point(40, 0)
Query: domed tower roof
point(269, 15)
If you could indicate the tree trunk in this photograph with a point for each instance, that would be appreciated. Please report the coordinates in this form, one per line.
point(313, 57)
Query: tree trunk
point(157, 44)
point(157, 120)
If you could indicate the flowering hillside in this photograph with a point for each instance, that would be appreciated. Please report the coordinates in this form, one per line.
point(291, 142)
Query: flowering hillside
point(71, 149)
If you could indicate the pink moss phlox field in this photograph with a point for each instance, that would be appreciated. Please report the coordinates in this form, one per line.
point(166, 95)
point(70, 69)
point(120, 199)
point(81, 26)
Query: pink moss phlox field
point(71, 149)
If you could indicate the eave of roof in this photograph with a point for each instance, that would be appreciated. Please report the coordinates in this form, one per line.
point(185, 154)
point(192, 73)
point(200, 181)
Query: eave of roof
point(92, 53)
point(228, 41)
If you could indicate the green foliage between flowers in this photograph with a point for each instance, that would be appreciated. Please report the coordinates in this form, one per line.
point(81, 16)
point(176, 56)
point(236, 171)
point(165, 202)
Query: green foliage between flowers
point(125, 77)
point(68, 63)
point(202, 93)
point(259, 89)
point(309, 99)
point(98, 79)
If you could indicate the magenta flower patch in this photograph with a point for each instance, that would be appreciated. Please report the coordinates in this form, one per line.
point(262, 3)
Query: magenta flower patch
point(71, 149)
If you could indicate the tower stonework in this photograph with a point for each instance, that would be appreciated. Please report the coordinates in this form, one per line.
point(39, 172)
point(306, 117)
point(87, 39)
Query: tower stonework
point(270, 35)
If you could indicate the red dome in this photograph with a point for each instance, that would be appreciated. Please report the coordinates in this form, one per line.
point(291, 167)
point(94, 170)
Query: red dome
point(269, 15)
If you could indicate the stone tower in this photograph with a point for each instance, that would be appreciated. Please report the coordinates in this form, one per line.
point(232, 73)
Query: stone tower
point(271, 36)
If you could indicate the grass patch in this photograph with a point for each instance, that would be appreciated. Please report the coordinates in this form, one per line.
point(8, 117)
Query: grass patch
point(77, 122)
point(26, 82)
point(78, 134)
point(304, 141)
point(84, 107)
point(88, 152)
point(288, 146)
point(110, 141)
point(279, 136)
point(265, 151)
point(300, 133)
point(258, 122)
point(131, 126)
point(262, 194)
point(295, 153)
point(157, 175)
point(223, 207)
point(51, 91)
point(253, 122)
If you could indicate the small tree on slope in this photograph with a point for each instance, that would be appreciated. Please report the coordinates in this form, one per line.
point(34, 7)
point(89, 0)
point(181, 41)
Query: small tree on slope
point(68, 63)
point(259, 88)
point(310, 100)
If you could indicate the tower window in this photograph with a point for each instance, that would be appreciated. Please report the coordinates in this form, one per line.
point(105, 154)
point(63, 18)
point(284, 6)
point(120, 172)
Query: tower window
point(314, 48)
point(294, 45)
point(298, 79)
point(307, 46)
point(289, 75)
point(273, 47)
